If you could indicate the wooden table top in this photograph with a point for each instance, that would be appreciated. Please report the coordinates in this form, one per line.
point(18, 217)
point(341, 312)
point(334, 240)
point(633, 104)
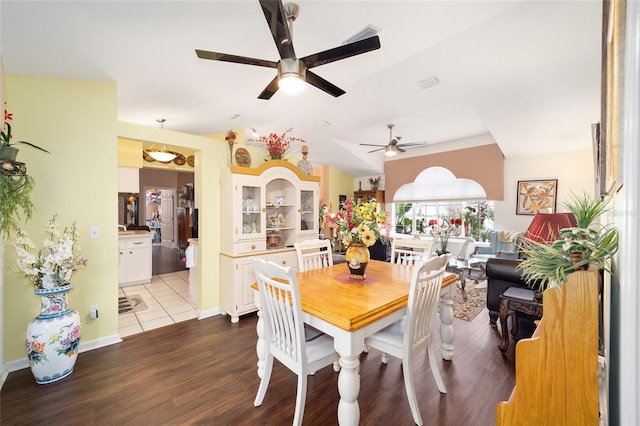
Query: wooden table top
point(330, 295)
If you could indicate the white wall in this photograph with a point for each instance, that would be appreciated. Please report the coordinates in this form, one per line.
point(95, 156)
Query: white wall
point(574, 171)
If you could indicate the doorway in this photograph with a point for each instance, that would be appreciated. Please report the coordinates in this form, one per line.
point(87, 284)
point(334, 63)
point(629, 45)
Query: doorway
point(159, 215)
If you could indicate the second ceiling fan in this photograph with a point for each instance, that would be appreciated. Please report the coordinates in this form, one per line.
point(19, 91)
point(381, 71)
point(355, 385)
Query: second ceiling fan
point(290, 68)
point(394, 146)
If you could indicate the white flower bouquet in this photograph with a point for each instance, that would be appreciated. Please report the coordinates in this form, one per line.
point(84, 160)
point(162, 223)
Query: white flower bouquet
point(55, 263)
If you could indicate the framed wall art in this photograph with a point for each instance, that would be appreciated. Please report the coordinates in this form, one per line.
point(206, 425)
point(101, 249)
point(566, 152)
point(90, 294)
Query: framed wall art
point(537, 196)
point(613, 22)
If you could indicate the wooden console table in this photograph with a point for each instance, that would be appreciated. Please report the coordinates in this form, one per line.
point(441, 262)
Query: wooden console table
point(511, 306)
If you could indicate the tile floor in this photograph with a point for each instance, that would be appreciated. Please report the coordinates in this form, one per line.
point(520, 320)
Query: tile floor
point(167, 297)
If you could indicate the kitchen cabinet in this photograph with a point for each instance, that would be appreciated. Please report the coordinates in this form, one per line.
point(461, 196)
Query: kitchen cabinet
point(272, 207)
point(129, 180)
point(134, 257)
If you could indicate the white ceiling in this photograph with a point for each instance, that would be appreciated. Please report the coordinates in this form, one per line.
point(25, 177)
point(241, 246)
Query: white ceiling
point(527, 73)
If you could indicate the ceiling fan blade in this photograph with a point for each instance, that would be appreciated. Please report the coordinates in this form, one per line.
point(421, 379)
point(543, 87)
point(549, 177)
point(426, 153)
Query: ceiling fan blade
point(413, 143)
point(400, 149)
point(372, 144)
point(279, 27)
point(270, 90)
point(375, 150)
point(342, 52)
point(204, 54)
point(324, 85)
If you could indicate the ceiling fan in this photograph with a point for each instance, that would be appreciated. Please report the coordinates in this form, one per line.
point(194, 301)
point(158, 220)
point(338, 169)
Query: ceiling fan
point(394, 144)
point(293, 70)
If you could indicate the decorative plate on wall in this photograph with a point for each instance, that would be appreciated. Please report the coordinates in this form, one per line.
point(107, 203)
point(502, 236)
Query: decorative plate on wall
point(180, 160)
point(243, 158)
point(191, 160)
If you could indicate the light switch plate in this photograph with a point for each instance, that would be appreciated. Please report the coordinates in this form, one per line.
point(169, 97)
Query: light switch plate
point(94, 232)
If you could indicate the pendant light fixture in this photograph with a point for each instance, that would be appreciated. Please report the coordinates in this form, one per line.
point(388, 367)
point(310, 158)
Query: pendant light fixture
point(162, 155)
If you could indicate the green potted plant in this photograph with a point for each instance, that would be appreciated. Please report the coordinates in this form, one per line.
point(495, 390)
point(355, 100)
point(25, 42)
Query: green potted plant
point(575, 249)
point(15, 193)
point(8, 151)
point(15, 184)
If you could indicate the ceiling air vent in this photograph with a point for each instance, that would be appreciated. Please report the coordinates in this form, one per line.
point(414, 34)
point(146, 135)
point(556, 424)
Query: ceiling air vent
point(366, 32)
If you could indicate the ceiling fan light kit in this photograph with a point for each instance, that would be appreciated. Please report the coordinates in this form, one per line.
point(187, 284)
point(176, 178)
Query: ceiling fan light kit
point(292, 70)
point(390, 151)
point(291, 76)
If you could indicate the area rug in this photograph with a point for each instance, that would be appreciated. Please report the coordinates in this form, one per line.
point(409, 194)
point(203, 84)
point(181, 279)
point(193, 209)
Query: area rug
point(133, 303)
point(475, 303)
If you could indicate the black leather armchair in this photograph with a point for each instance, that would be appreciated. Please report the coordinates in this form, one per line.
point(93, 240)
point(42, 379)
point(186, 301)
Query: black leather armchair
point(501, 274)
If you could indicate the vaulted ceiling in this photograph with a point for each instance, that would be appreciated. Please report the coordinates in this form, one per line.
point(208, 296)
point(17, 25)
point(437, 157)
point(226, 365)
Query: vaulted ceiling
point(523, 73)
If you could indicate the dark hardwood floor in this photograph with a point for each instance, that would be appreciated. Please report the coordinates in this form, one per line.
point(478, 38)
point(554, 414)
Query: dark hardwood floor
point(165, 260)
point(204, 372)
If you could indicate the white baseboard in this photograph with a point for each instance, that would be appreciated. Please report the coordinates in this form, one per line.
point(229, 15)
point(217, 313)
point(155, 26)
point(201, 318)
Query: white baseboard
point(3, 375)
point(99, 343)
point(209, 313)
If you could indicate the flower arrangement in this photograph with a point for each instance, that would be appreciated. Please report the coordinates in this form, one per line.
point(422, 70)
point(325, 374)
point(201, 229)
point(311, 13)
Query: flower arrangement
point(442, 229)
point(276, 145)
point(57, 260)
point(231, 140)
point(325, 212)
point(360, 223)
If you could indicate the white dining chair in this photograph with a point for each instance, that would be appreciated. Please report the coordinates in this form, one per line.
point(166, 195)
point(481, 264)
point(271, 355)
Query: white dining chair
point(313, 254)
point(464, 249)
point(415, 332)
point(407, 251)
point(284, 332)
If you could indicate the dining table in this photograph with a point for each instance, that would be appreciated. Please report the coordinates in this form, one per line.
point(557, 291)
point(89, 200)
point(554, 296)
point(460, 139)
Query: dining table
point(350, 310)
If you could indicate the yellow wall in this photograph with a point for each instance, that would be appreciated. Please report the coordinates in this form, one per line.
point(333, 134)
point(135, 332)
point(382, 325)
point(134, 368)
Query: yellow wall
point(77, 122)
point(339, 184)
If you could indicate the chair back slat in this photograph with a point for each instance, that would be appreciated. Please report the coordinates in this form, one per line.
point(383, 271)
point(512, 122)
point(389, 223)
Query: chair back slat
point(405, 251)
point(424, 294)
point(313, 254)
point(278, 289)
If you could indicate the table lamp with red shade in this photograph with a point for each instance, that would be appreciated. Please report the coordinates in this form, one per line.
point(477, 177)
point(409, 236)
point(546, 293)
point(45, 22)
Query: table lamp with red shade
point(545, 227)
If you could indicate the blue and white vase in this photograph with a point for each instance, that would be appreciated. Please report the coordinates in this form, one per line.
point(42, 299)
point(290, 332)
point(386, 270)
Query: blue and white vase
point(53, 336)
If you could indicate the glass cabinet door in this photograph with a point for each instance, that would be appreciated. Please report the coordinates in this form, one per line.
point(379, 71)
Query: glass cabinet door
point(251, 211)
point(308, 220)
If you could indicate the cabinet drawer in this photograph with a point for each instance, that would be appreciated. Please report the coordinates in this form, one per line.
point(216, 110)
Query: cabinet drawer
point(250, 246)
point(285, 259)
point(138, 242)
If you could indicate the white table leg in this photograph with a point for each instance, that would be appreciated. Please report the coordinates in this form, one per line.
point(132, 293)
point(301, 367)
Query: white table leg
point(446, 325)
point(349, 388)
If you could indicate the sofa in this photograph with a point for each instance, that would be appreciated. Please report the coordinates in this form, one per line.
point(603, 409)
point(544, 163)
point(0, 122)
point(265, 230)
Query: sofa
point(501, 274)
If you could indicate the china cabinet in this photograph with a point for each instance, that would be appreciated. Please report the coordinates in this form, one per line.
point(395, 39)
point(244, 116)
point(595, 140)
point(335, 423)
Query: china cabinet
point(366, 196)
point(271, 208)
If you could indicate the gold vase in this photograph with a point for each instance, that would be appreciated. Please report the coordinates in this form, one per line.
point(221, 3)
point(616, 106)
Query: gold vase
point(357, 257)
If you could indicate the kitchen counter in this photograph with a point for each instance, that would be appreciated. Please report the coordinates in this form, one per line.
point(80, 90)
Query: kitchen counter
point(130, 234)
